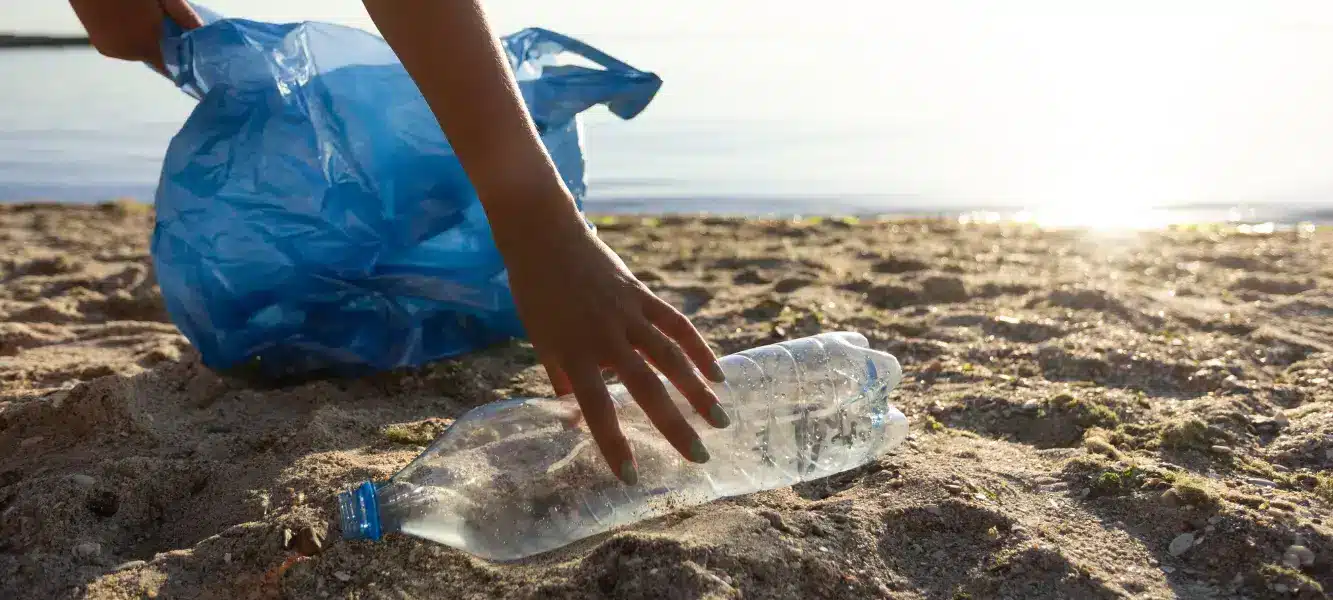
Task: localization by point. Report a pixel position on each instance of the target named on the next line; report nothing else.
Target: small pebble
(87, 549)
(1213, 520)
(308, 541)
(953, 489)
(83, 480)
(1171, 498)
(1260, 482)
(775, 520)
(934, 510)
(226, 558)
(1223, 450)
(1181, 544)
(1298, 556)
(341, 576)
(1280, 588)
(1168, 569)
(32, 441)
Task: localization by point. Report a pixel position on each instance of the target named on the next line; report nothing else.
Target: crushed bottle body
(520, 477)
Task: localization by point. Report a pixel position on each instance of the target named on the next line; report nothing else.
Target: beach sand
(1094, 415)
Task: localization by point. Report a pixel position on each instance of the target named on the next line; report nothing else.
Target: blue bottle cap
(360, 513)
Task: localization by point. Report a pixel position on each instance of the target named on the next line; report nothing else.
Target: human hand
(581, 306)
(132, 29)
(583, 310)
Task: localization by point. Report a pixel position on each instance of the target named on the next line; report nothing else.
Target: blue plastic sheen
(360, 513)
(311, 215)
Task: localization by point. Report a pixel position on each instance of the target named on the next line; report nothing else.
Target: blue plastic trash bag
(311, 217)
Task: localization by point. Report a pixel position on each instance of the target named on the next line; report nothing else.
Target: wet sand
(1095, 415)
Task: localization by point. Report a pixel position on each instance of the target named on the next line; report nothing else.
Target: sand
(1095, 415)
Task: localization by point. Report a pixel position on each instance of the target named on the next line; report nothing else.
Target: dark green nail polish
(715, 373)
(628, 473)
(698, 453)
(718, 416)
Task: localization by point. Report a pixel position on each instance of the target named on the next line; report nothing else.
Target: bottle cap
(360, 513)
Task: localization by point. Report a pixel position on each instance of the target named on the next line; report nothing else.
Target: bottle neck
(360, 513)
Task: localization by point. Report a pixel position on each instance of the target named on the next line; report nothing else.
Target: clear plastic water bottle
(519, 477)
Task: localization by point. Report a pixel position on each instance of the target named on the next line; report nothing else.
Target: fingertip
(629, 473)
(717, 416)
(699, 452)
(715, 372)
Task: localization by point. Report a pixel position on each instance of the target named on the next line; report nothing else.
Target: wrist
(523, 213)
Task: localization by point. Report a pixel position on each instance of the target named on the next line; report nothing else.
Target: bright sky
(701, 16)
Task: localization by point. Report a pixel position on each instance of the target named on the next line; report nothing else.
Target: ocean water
(1110, 117)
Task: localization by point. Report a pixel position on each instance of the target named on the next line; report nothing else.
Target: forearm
(458, 64)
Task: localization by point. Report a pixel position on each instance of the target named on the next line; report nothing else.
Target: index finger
(679, 328)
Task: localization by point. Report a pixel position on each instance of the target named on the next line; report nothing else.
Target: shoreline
(15, 42)
(1242, 219)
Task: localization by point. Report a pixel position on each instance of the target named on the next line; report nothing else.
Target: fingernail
(698, 453)
(715, 373)
(628, 473)
(718, 416)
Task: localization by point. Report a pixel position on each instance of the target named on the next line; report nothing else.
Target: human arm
(582, 307)
(132, 29)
